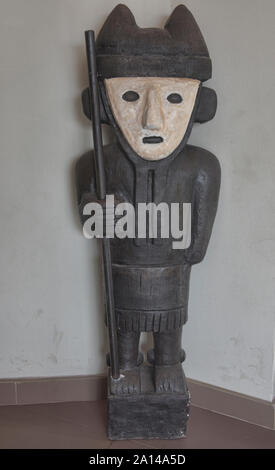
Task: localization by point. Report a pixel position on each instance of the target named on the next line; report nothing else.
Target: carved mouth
(154, 139)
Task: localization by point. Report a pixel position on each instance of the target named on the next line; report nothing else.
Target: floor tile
(83, 425)
(208, 430)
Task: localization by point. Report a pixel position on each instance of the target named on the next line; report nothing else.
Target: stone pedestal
(148, 415)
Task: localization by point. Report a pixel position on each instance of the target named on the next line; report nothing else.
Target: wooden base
(148, 415)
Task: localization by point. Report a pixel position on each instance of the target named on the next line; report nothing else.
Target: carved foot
(127, 384)
(169, 379)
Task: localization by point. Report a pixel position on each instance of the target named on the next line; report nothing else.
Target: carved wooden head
(152, 80)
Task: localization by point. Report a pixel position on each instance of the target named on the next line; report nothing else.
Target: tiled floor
(83, 425)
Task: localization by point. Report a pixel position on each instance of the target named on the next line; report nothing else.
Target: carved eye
(174, 98)
(130, 96)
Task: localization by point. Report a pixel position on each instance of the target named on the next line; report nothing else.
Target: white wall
(51, 310)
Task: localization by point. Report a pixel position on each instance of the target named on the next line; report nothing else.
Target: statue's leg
(128, 343)
(129, 360)
(169, 375)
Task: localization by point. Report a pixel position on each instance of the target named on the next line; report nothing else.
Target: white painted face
(152, 113)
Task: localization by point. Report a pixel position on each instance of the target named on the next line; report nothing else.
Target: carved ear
(183, 27)
(86, 106)
(120, 15)
(207, 105)
(117, 24)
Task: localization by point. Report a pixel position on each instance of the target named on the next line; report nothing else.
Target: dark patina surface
(150, 278)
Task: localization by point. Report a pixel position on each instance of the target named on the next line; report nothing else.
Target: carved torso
(193, 176)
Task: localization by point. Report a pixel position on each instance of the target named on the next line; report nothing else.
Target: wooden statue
(149, 88)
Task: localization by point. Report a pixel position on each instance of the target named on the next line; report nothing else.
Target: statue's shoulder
(86, 160)
(85, 169)
(84, 163)
(203, 160)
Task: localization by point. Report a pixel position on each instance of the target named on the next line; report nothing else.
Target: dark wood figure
(151, 93)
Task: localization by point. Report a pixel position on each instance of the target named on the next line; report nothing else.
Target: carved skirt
(151, 298)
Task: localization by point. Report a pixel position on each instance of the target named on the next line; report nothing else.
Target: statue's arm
(85, 182)
(205, 203)
(86, 185)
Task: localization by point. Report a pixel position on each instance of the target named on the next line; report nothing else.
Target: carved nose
(152, 118)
